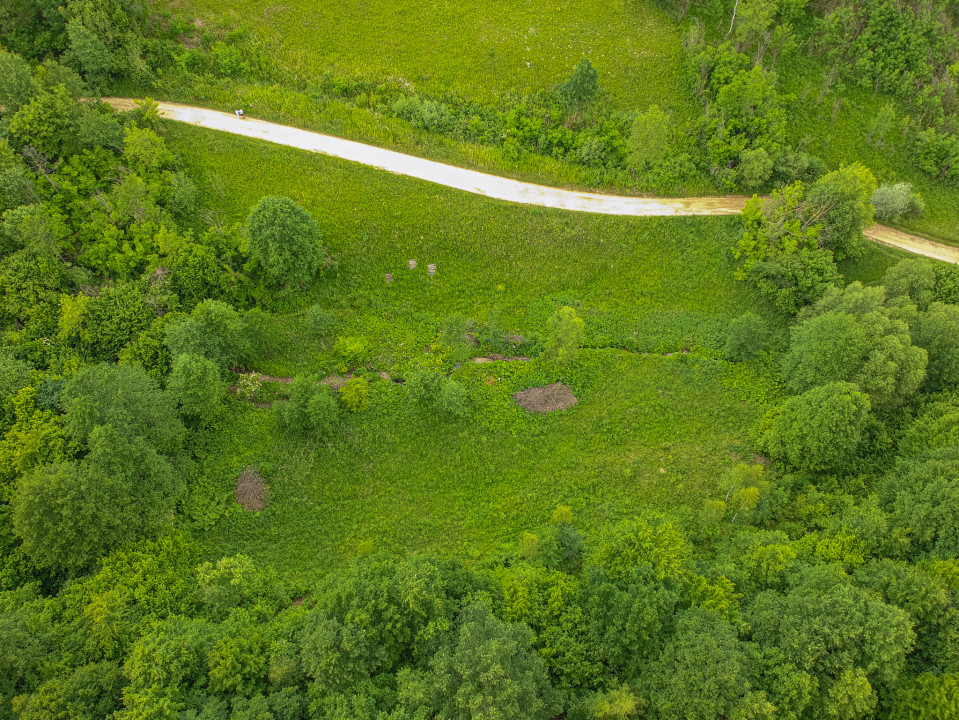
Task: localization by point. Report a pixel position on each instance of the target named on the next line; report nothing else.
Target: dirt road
(498, 187)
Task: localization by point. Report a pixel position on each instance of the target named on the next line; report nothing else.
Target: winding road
(496, 187)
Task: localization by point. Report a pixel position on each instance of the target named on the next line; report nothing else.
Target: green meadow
(652, 424)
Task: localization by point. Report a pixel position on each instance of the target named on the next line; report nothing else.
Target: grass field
(650, 433)
(473, 49)
(403, 481)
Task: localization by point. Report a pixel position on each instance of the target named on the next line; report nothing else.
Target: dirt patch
(546, 399)
(492, 357)
(271, 378)
(334, 381)
(251, 490)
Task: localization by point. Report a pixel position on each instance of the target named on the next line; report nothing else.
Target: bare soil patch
(251, 490)
(546, 399)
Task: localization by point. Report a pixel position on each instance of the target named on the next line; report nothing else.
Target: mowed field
(476, 50)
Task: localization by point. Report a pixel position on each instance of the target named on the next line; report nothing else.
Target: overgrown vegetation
(749, 512)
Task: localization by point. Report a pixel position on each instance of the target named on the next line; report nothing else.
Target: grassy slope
(474, 49)
(405, 482)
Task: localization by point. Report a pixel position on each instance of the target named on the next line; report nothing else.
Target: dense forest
(820, 582)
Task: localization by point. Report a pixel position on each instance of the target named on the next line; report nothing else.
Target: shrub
(350, 350)
(320, 321)
(894, 201)
(564, 333)
(452, 399)
(356, 394)
(311, 410)
(747, 337)
(582, 86)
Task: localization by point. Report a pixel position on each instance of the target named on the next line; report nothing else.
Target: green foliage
(215, 331)
(351, 351)
(841, 202)
(434, 391)
(703, 672)
(49, 123)
(284, 240)
(649, 139)
(564, 335)
(489, 665)
(70, 514)
(922, 282)
(819, 430)
(937, 153)
(196, 387)
(320, 321)
(18, 84)
(922, 498)
(748, 336)
(892, 202)
(356, 394)
(235, 582)
(855, 338)
(582, 86)
(311, 409)
(928, 697)
(107, 322)
(196, 275)
(125, 398)
(794, 280)
(849, 641)
(937, 332)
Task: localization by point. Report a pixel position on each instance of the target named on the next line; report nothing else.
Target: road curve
(493, 186)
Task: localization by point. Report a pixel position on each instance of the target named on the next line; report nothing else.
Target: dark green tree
(284, 240)
(126, 398)
(841, 202)
(70, 514)
(582, 86)
(819, 430)
(704, 673)
(852, 643)
(488, 672)
(937, 332)
(196, 387)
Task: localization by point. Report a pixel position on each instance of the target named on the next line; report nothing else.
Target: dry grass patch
(251, 490)
(546, 399)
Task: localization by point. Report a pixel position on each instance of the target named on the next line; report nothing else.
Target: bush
(350, 350)
(747, 337)
(320, 321)
(582, 86)
(311, 410)
(894, 201)
(564, 333)
(432, 390)
(356, 394)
